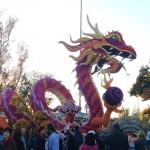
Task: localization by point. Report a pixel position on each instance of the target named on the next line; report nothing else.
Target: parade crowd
(48, 138)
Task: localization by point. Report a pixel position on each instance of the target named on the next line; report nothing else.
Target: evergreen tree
(141, 88)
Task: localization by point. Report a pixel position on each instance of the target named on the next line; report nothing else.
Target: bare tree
(10, 75)
(5, 32)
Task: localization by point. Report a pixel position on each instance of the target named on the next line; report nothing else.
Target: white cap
(92, 131)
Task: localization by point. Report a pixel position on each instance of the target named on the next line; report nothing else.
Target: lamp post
(80, 18)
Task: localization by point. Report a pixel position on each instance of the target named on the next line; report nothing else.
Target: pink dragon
(94, 50)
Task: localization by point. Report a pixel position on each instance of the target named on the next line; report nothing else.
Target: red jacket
(88, 147)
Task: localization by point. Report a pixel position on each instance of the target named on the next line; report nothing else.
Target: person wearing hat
(90, 142)
(117, 140)
(53, 139)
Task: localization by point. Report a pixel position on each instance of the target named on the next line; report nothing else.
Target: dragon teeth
(122, 59)
(112, 56)
(130, 56)
(111, 48)
(131, 60)
(98, 67)
(120, 53)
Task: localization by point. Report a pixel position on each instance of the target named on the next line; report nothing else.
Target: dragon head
(99, 50)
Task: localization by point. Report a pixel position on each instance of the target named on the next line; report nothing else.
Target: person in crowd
(32, 140)
(53, 140)
(100, 143)
(46, 139)
(90, 142)
(40, 139)
(147, 147)
(1, 134)
(17, 138)
(69, 142)
(24, 137)
(117, 140)
(140, 142)
(72, 130)
(1, 138)
(61, 137)
(78, 137)
(131, 142)
(8, 143)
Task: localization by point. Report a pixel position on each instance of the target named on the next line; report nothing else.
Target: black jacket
(140, 144)
(117, 141)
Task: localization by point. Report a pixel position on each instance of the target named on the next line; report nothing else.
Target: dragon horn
(95, 29)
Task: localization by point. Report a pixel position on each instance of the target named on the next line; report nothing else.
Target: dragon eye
(115, 37)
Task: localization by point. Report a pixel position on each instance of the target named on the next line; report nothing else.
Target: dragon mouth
(125, 52)
(116, 55)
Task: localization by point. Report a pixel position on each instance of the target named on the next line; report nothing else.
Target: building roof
(78, 115)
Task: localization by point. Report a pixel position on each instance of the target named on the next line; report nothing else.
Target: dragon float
(94, 50)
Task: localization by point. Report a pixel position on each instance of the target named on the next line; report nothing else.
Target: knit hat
(92, 131)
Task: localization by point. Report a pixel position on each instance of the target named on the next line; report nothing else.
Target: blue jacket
(53, 141)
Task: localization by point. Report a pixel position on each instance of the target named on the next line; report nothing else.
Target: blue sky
(42, 24)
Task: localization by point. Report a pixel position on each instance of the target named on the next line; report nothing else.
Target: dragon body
(94, 50)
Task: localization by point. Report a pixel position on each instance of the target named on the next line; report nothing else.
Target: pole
(80, 18)
(80, 95)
